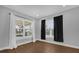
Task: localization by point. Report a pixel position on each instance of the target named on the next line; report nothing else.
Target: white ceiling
(39, 11)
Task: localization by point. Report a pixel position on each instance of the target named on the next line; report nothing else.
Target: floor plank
(41, 47)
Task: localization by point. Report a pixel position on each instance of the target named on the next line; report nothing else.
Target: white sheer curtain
(49, 29)
(12, 42)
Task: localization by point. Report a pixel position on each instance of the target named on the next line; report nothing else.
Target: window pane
(47, 31)
(28, 28)
(19, 28)
(49, 27)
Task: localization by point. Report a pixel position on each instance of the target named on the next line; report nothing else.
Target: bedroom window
(23, 28)
(49, 28)
(19, 28)
(28, 28)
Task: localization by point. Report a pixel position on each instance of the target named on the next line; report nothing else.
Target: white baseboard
(23, 43)
(16, 45)
(62, 44)
(4, 48)
(34, 41)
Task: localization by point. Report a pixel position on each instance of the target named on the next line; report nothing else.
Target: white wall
(37, 29)
(70, 26)
(4, 27)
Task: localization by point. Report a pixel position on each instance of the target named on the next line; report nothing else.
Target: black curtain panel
(58, 28)
(43, 33)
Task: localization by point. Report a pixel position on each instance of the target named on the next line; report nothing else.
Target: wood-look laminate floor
(41, 47)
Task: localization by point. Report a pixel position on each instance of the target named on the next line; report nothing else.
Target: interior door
(58, 28)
